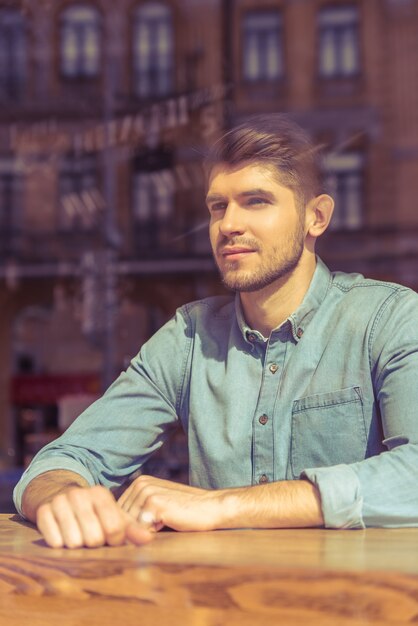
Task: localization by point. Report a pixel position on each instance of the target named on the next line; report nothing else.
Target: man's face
(256, 230)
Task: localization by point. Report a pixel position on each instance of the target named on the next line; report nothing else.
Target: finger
(138, 535)
(133, 507)
(125, 498)
(67, 522)
(149, 520)
(133, 501)
(132, 494)
(169, 484)
(110, 516)
(82, 505)
(48, 527)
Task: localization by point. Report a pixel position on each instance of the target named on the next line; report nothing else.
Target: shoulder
(347, 282)
(215, 307)
(196, 327)
(203, 316)
(369, 290)
(386, 309)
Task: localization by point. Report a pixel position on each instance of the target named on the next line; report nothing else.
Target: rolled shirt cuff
(340, 491)
(42, 466)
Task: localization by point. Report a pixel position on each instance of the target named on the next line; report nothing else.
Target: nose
(232, 221)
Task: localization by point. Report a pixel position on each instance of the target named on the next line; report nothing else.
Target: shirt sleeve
(116, 435)
(382, 491)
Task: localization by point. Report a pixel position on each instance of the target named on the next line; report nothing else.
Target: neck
(267, 308)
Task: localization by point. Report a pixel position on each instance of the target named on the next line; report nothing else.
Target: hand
(88, 516)
(171, 504)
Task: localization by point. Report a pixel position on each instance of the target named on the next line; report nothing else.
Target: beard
(277, 263)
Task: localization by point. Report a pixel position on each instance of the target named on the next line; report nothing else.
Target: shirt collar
(300, 319)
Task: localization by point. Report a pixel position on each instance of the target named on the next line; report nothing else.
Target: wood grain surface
(243, 577)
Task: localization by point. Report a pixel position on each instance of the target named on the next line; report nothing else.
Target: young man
(298, 395)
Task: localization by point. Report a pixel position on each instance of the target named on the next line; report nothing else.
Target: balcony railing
(151, 241)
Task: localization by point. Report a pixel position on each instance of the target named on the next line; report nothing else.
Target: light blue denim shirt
(331, 396)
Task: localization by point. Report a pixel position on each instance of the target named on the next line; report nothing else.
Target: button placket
(264, 418)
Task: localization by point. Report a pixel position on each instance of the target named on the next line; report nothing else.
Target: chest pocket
(327, 429)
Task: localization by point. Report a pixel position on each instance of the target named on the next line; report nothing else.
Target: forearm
(379, 491)
(283, 504)
(45, 486)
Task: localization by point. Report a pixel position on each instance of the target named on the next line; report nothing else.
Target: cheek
(278, 226)
(213, 233)
(267, 227)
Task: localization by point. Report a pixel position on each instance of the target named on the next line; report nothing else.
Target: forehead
(244, 175)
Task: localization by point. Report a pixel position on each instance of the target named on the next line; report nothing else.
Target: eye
(257, 200)
(217, 206)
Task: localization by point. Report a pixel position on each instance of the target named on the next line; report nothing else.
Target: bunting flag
(51, 137)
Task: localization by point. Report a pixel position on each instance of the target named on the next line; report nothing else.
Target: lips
(231, 251)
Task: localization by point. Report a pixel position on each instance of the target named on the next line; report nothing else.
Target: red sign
(27, 390)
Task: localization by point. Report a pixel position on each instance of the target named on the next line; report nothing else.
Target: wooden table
(223, 578)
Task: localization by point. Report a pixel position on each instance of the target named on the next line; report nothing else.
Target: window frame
(276, 31)
(81, 71)
(14, 79)
(153, 231)
(162, 66)
(337, 32)
(337, 165)
(81, 195)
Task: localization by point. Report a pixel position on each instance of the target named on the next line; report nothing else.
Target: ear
(318, 215)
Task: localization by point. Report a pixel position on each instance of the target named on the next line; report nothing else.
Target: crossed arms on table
(70, 513)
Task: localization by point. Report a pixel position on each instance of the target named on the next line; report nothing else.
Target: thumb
(137, 534)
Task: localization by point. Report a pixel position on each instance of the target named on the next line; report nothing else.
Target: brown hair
(276, 141)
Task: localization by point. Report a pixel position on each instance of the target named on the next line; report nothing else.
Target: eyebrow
(257, 192)
(214, 197)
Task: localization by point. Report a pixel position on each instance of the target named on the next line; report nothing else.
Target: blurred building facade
(105, 112)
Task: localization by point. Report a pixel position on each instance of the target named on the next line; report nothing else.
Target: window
(339, 55)
(80, 199)
(12, 53)
(262, 46)
(80, 42)
(153, 191)
(153, 50)
(343, 177)
(153, 195)
(11, 201)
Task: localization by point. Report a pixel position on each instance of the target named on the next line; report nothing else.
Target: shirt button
(263, 479)
(299, 333)
(263, 419)
(251, 337)
(273, 368)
